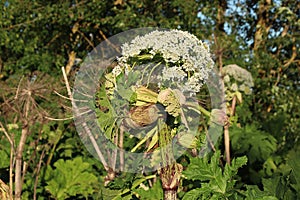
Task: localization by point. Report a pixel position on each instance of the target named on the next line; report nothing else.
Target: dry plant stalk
(5, 192)
(87, 130)
(22, 106)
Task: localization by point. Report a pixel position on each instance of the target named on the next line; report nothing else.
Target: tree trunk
(262, 26)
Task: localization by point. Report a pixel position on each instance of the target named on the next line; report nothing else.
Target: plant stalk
(18, 167)
(170, 172)
(170, 194)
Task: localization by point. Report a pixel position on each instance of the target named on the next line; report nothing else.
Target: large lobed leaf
(70, 178)
(215, 182)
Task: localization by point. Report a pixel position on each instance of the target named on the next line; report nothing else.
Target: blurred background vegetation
(42, 158)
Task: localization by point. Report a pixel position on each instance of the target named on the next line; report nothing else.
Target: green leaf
(70, 178)
(193, 194)
(154, 141)
(254, 193)
(294, 163)
(231, 170)
(215, 183)
(4, 161)
(258, 145)
(154, 193)
(200, 169)
(105, 113)
(187, 140)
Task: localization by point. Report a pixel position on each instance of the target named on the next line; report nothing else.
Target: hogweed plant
(237, 81)
(146, 104)
(170, 65)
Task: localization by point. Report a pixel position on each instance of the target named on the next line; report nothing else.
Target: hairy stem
(170, 194)
(171, 171)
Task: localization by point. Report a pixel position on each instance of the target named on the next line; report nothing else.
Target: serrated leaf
(215, 183)
(70, 178)
(294, 163)
(192, 194)
(258, 145)
(200, 169)
(153, 193)
(231, 170)
(254, 193)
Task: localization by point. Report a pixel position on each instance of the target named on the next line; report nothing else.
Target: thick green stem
(170, 172)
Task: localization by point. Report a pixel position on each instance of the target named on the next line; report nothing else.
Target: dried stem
(121, 147)
(59, 119)
(17, 92)
(37, 174)
(24, 170)
(170, 194)
(87, 130)
(226, 127)
(87, 39)
(62, 96)
(18, 167)
(209, 140)
(108, 41)
(226, 131)
(233, 105)
(6, 134)
(115, 152)
(227, 143)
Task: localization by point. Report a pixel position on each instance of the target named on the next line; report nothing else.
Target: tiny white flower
(173, 73)
(239, 74)
(242, 77)
(117, 70)
(234, 87)
(242, 87)
(176, 47)
(226, 79)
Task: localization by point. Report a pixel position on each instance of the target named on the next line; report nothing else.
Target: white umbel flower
(239, 74)
(185, 55)
(242, 79)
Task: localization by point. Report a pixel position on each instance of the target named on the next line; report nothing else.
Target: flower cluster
(187, 60)
(242, 79)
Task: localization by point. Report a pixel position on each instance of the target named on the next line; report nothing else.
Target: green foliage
(153, 193)
(257, 145)
(216, 183)
(294, 163)
(4, 153)
(130, 186)
(260, 37)
(105, 113)
(284, 183)
(253, 193)
(70, 178)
